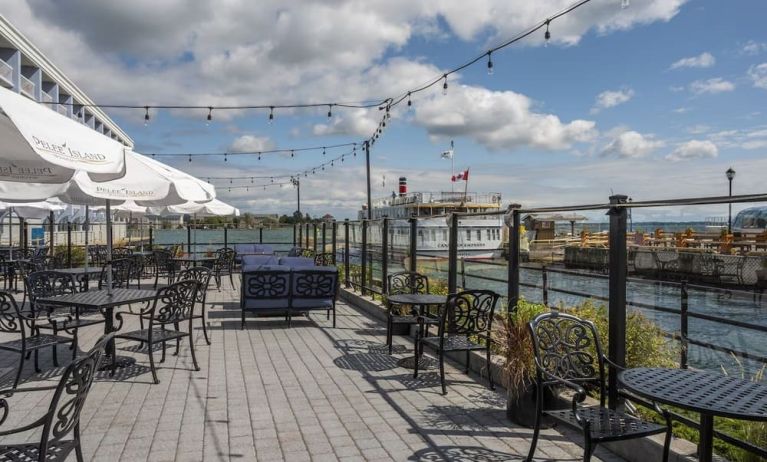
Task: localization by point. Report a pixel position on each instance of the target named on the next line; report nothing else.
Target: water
(208, 240)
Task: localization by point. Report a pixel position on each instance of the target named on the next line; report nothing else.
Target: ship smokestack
(402, 186)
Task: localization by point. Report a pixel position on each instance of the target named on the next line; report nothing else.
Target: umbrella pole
(10, 233)
(85, 228)
(109, 247)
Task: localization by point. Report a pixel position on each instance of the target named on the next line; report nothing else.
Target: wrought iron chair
(325, 259)
(171, 306)
(163, 266)
(122, 271)
(121, 252)
(405, 282)
(22, 269)
(465, 324)
(568, 354)
(61, 423)
(223, 265)
(202, 276)
(53, 317)
(14, 321)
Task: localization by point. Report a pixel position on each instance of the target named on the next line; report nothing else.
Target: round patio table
(703, 392)
(423, 301)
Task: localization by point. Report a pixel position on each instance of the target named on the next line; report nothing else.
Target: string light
(444, 85)
(330, 111)
(271, 114)
(323, 150)
(225, 157)
(409, 102)
(489, 63)
(292, 154)
(210, 114)
(146, 115)
(547, 35)
(190, 157)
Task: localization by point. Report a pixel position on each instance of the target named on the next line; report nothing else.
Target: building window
(479, 234)
(488, 234)
(468, 234)
(444, 234)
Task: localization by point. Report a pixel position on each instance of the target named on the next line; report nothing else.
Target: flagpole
(466, 185)
(452, 166)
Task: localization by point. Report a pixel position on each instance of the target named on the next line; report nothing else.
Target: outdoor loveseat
(292, 287)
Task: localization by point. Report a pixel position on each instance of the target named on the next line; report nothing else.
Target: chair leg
(78, 447)
(389, 339)
(334, 315)
(37, 361)
(191, 348)
(468, 361)
(442, 371)
(536, 431)
(54, 352)
(178, 340)
(231, 280)
(162, 358)
(416, 357)
(489, 370)
(204, 325)
(242, 321)
(18, 372)
(587, 446)
(151, 364)
(74, 344)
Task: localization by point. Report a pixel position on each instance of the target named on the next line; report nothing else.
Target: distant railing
(6, 72)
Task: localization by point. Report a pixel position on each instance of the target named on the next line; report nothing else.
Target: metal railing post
(452, 255)
(189, 240)
(346, 253)
(307, 236)
(294, 234)
(364, 256)
(226, 236)
(617, 294)
(413, 243)
(384, 254)
(151, 237)
(324, 238)
(314, 237)
(463, 274)
(51, 227)
(26, 235)
(683, 327)
(69, 244)
(261, 235)
(512, 289)
(545, 285)
(333, 240)
(300, 239)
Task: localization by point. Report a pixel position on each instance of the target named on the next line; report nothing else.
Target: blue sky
(655, 100)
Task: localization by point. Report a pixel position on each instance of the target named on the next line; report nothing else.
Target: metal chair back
(202, 276)
(174, 303)
(568, 347)
(48, 284)
(122, 271)
(325, 259)
(11, 321)
(468, 313)
(407, 282)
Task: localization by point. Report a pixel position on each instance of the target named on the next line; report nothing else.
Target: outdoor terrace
(269, 392)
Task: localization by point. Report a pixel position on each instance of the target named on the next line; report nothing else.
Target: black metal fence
(373, 249)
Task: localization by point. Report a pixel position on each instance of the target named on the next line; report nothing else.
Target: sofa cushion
(312, 303)
(297, 262)
(253, 262)
(266, 304)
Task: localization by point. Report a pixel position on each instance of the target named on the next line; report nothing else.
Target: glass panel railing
(27, 86)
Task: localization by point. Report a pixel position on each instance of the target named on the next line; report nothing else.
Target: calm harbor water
(735, 305)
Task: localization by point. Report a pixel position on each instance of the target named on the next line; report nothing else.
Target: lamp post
(730, 176)
(631, 220)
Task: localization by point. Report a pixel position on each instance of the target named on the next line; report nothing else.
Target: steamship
(478, 237)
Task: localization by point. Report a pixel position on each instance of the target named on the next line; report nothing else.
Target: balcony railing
(27, 86)
(6, 74)
(46, 98)
(61, 109)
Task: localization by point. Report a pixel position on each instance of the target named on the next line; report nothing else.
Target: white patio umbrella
(42, 149)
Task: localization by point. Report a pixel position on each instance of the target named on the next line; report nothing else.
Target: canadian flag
(464, 175)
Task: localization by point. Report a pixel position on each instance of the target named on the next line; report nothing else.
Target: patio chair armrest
(612, 364)
(6, 410)
(578, 397)
(12, 391)
(119, 317)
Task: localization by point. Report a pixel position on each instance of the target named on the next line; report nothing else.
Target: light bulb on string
(247, 189)
(444, 85)
(190, 157)
(547, 35)
(342, 158)
(331, 163)
(323, 150)
(489, 63)
(259, 156)
(210, 116)
(330, 111)
(272, 179)
(225, 157)
(354, 150)
(292, 154)
(230, 189)
(251, 180)
(146, 115)
(323, 167)
(271, 114)
(409, 102)
(230, 181)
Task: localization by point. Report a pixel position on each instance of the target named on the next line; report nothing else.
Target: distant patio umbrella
(40, 209)
(208, 209)
(42, 150)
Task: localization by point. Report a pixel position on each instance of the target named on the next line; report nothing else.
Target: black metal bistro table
(82, 275)
(703, 392)
(423, 302)
(186, 260)
(104, 302)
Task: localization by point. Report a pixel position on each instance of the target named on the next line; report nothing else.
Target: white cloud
(704, 59)
(498, 120)
(611, 98)
(753, 47)
(693, 149)
(251, 143)
(758, 75)
(711, 86)
(631, 144)
(681, 110)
